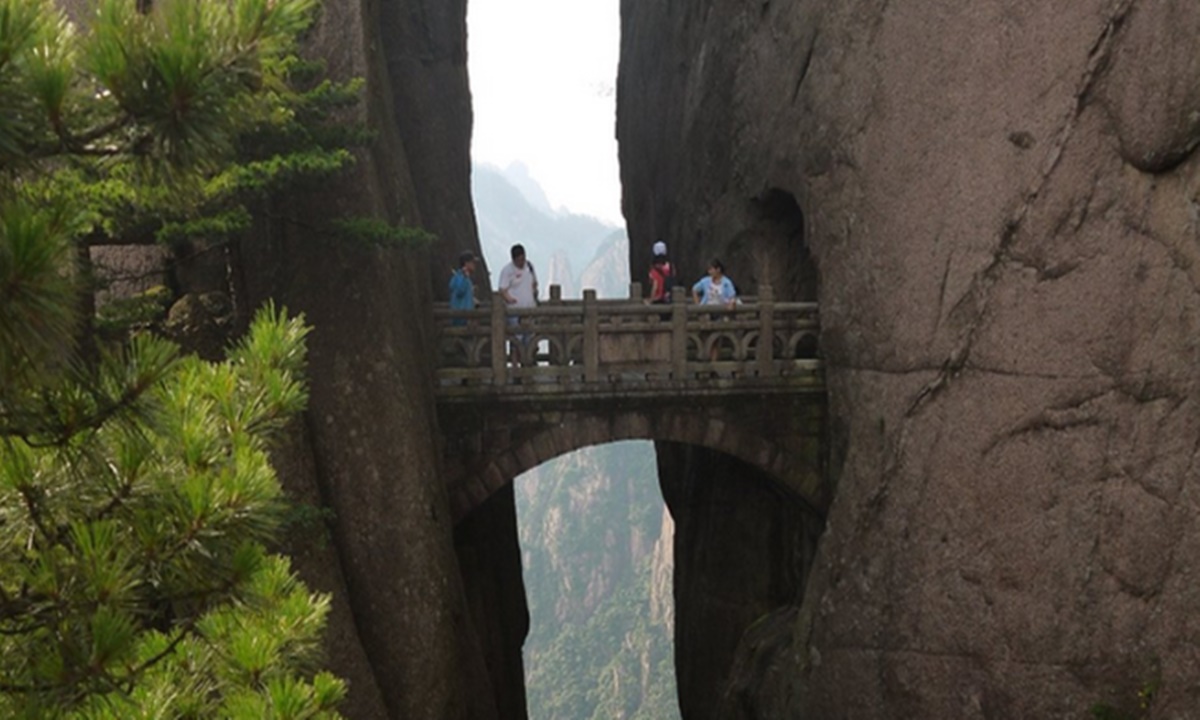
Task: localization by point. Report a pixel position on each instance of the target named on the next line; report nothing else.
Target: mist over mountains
(567, 249)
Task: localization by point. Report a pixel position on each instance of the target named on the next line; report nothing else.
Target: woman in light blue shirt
(715, 288)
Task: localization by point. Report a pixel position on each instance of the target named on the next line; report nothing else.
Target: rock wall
(743, 549)
(489, 555)
(373, 449)
(402, 630)
(1001, 200)
(422, 47)
(427, 620)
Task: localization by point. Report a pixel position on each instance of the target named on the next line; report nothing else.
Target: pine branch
(187, 630)
(79, 144)
(56, 434)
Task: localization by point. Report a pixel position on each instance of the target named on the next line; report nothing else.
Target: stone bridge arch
(599, 371)
(487, 447)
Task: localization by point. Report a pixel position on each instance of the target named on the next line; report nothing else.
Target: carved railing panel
(595, 342)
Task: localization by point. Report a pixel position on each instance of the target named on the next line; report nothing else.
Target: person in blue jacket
(715, 288)
(462, 290)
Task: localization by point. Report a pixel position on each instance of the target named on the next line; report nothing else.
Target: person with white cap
(661, 274)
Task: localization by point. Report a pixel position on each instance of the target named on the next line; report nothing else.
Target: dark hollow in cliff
(777, 232)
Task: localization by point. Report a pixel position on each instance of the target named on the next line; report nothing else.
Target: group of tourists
(518, 287)
(715, 288)
(518, 281)
(519, 284)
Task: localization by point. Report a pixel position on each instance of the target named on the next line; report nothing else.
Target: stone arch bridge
(514, 393)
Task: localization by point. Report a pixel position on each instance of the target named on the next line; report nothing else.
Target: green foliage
(1137, 708)
(136, 497)
(374, 231)
(35, 287)
(157, 86)
(137, 312)
(136, 507)
(170, 125)
(216, 225)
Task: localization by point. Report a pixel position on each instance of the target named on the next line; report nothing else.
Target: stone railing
(592, 342)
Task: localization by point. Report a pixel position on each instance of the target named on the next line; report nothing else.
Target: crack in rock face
(1001, 201)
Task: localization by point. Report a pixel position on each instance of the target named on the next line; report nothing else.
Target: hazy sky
(543, 74)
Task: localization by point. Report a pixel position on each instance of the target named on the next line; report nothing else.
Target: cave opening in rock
(774, 245)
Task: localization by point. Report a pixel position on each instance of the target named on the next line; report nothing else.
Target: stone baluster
(679, 333)
(499, 354)
(766, 331)
(558, 351)
(591, 337)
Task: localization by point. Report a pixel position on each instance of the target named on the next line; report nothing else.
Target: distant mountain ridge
(511, 207)
(517, 174)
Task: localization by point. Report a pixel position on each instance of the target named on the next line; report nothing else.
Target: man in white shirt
(518, 287)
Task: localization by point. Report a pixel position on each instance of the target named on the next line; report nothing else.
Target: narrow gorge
(997, 208)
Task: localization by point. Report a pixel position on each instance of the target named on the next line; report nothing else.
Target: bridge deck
(594, 350)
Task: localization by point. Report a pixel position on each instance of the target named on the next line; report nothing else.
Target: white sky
(543, 74)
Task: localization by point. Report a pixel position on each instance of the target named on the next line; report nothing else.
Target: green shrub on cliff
(136, 497)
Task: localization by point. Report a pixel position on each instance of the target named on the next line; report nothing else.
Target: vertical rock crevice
(489, 556)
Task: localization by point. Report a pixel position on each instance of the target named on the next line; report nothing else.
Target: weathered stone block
(631, 425)
(526, 456)
(544, 447)
(494, 479)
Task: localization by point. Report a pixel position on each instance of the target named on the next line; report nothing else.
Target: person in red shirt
(662, 275)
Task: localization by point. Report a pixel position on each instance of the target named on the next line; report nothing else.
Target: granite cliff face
(1001, 201)
(743, 551)
(403, 629)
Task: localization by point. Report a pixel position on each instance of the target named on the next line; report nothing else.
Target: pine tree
(136, 497)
